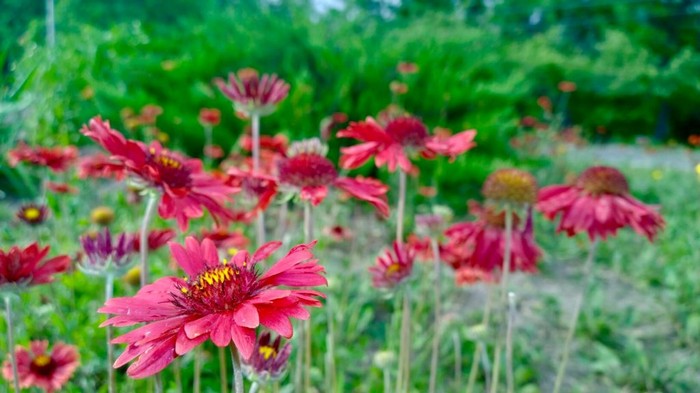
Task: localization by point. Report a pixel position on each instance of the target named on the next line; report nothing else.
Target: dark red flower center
(218, 289)
(408, 131)
(43, 365)
(170, 170)
(599, 180)
(510, 186)
(307, 169)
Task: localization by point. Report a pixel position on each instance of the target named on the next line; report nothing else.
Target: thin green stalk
(177, 371)
(237, 370)
(330, 354)
(109, 292)
(387, 379)
(260, 218)
(254, 388)
(151, 204)
(503, 300)
(588, 279)
(308, 237)
(477, 350)
(11, 342)
(158, 383)
(509, 341)
(457, 345)
(436, 323)
(404, 374)
(223, 370)
(208, 141)
(401, 206)
(197, 388)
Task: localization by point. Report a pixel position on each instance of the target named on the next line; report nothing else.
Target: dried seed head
(510, 186)
(600, 180)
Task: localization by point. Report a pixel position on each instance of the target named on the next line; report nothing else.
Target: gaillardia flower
(268, 360)
(61, 188)
(157, 238)
(104, 255)
(186, 189)
(209, 117)
(98, 165)
(510, 186)
(19, 267)
(258, 188)
(33, 214)
(307, 170)
(252, 94)
(599, 203)
(58, 159)
(224, 301)
(39, 368)
(480, 244)
(393, 144)
(102, 215)
(393, 268)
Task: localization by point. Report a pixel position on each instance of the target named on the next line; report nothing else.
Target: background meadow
(489, 66)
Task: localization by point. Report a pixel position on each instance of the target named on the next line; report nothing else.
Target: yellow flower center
(168, 162)
(41, 361)
(393, 269)
(32, 213)
(267, 352)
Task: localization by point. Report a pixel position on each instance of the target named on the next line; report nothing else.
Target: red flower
(407, 68)
(58, 159)
(33, 214)
(269, 359)
(481, 244)
(61, 188)
(258, 187)
(566, 86)
(392, 145)
(308, 171)
(209, 116)
(99, 165)
(393, 268)
(545, 103)
(28, 267)
(338, 233)
(225, 301)
(466, 275)
(38, 368)
(599, 203)
(276, 143)
(252, 94)
(225, 240)
(213, 151)
(185, 187)
(157, 238)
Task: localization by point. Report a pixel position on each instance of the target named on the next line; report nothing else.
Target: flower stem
(503, 299)
(458, 359)
(308, 237)
(237, 371)
(260, 218)
(330, 354)
(401, 206)
(404, 374)
(177, 371)
(387, 379)
(207, 144)
(197, 388)
(158, 384)
(477, 350)
(147, 218)
(588, 278)
(254, 388)
(109, 291)
(223, 370)
(436, 322)
(11, 342)
(509, 341)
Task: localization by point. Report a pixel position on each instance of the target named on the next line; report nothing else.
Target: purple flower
(268, 361)
(102, 254)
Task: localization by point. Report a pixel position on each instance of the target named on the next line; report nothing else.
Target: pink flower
(61, 188)
(258, 187)
(186, 189)
(157, 238)
(599, 203)
(47, 371)
(480, 244)
(393, 268)
(209, 117)
(252, 94)
(224, 301)
(392, 145)
(99, 165)
(58, 159)
(226, 240)
(269, 359)
(310, 173)
(27, 266)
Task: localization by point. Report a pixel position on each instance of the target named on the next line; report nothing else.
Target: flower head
(259, 188)
(37, 367)
(104, 254)
(394, 267)
(102, 215)
(407, 68)
(157, 238)
(98, 165)
(566, 86)
(209, 117)
(307, 170)
(599, 203)
(58, 159)
(467, 275)
(269, 358)
(393, 143)
(221, 300)
(19, 267)
(511, 186)
(185, 188)
(480, 244)
(251, 93)
(61, 188)
(226, 240)
(33, 214)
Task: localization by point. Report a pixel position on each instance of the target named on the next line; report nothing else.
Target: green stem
(477, 350)
(458, 359)
(223, 370)
(147, 218)
(308, 237)
(401, 206)
(197, 388)
(404, 374)
(260, 218)
(109, 292)
(588, 279)
(509, 342)
(11, 343)
(436, 321)
(208, 140)
(387, 379)
(254, 388)
(237, 371)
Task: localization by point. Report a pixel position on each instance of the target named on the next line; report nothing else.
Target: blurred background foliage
(482, 65)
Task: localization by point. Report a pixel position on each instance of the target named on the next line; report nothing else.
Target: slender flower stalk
(509, 341)
(109, 292)
(477, 350)
(401, 206)
(308, 235)
(260, 219)
(208, 142)
(197, 383)
(404, 374)
(177, 370)
(11, 343)
(151, 204)
(254, 387)
(458, 359)
(237, 370)
(223, 370)
(504, 292)
(436, 324)
(588, 278)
